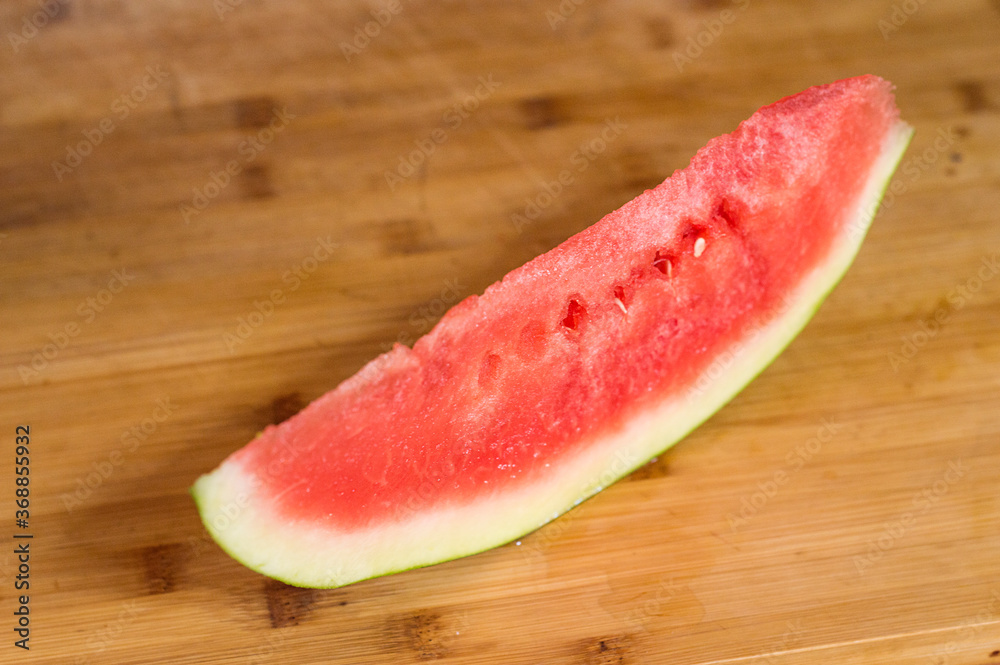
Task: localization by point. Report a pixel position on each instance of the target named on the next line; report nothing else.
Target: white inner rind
(245, 525)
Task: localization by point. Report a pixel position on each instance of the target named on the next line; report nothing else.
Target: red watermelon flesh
(575, 368)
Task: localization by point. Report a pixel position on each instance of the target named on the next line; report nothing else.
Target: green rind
(784, 329)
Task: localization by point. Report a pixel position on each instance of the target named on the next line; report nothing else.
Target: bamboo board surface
(159, 310)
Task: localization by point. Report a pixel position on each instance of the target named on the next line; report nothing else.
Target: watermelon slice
(575, 368)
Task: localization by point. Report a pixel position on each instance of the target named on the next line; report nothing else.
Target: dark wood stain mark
(61, 11)
(404, 236)
(660, 32)
(20, 214)
(216, 117)
(962, 131)
(657, 468)
(285, 406)
(972, 96)
(941, 306)
(256, 182)
(254, 112)
(286, 605)
(176, 111)
(423, 633)
(709, 4)
(161, 563)
(995, 653)
(540, 112)
(608, 651)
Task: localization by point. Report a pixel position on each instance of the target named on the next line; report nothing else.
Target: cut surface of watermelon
(575, 368)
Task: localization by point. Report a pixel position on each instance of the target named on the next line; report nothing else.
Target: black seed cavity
(663, 262)
(574, 314)
(489, 369)
(726, 211)
(691, 231)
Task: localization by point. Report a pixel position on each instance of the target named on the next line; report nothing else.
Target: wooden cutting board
(198, 236)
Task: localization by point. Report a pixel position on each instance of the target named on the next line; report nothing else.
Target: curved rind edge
(303, 556)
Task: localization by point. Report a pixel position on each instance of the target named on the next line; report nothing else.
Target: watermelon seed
(662, 263)
(699, 247)
(620, 299)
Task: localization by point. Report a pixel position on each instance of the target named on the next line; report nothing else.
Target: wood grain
(125, 314)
